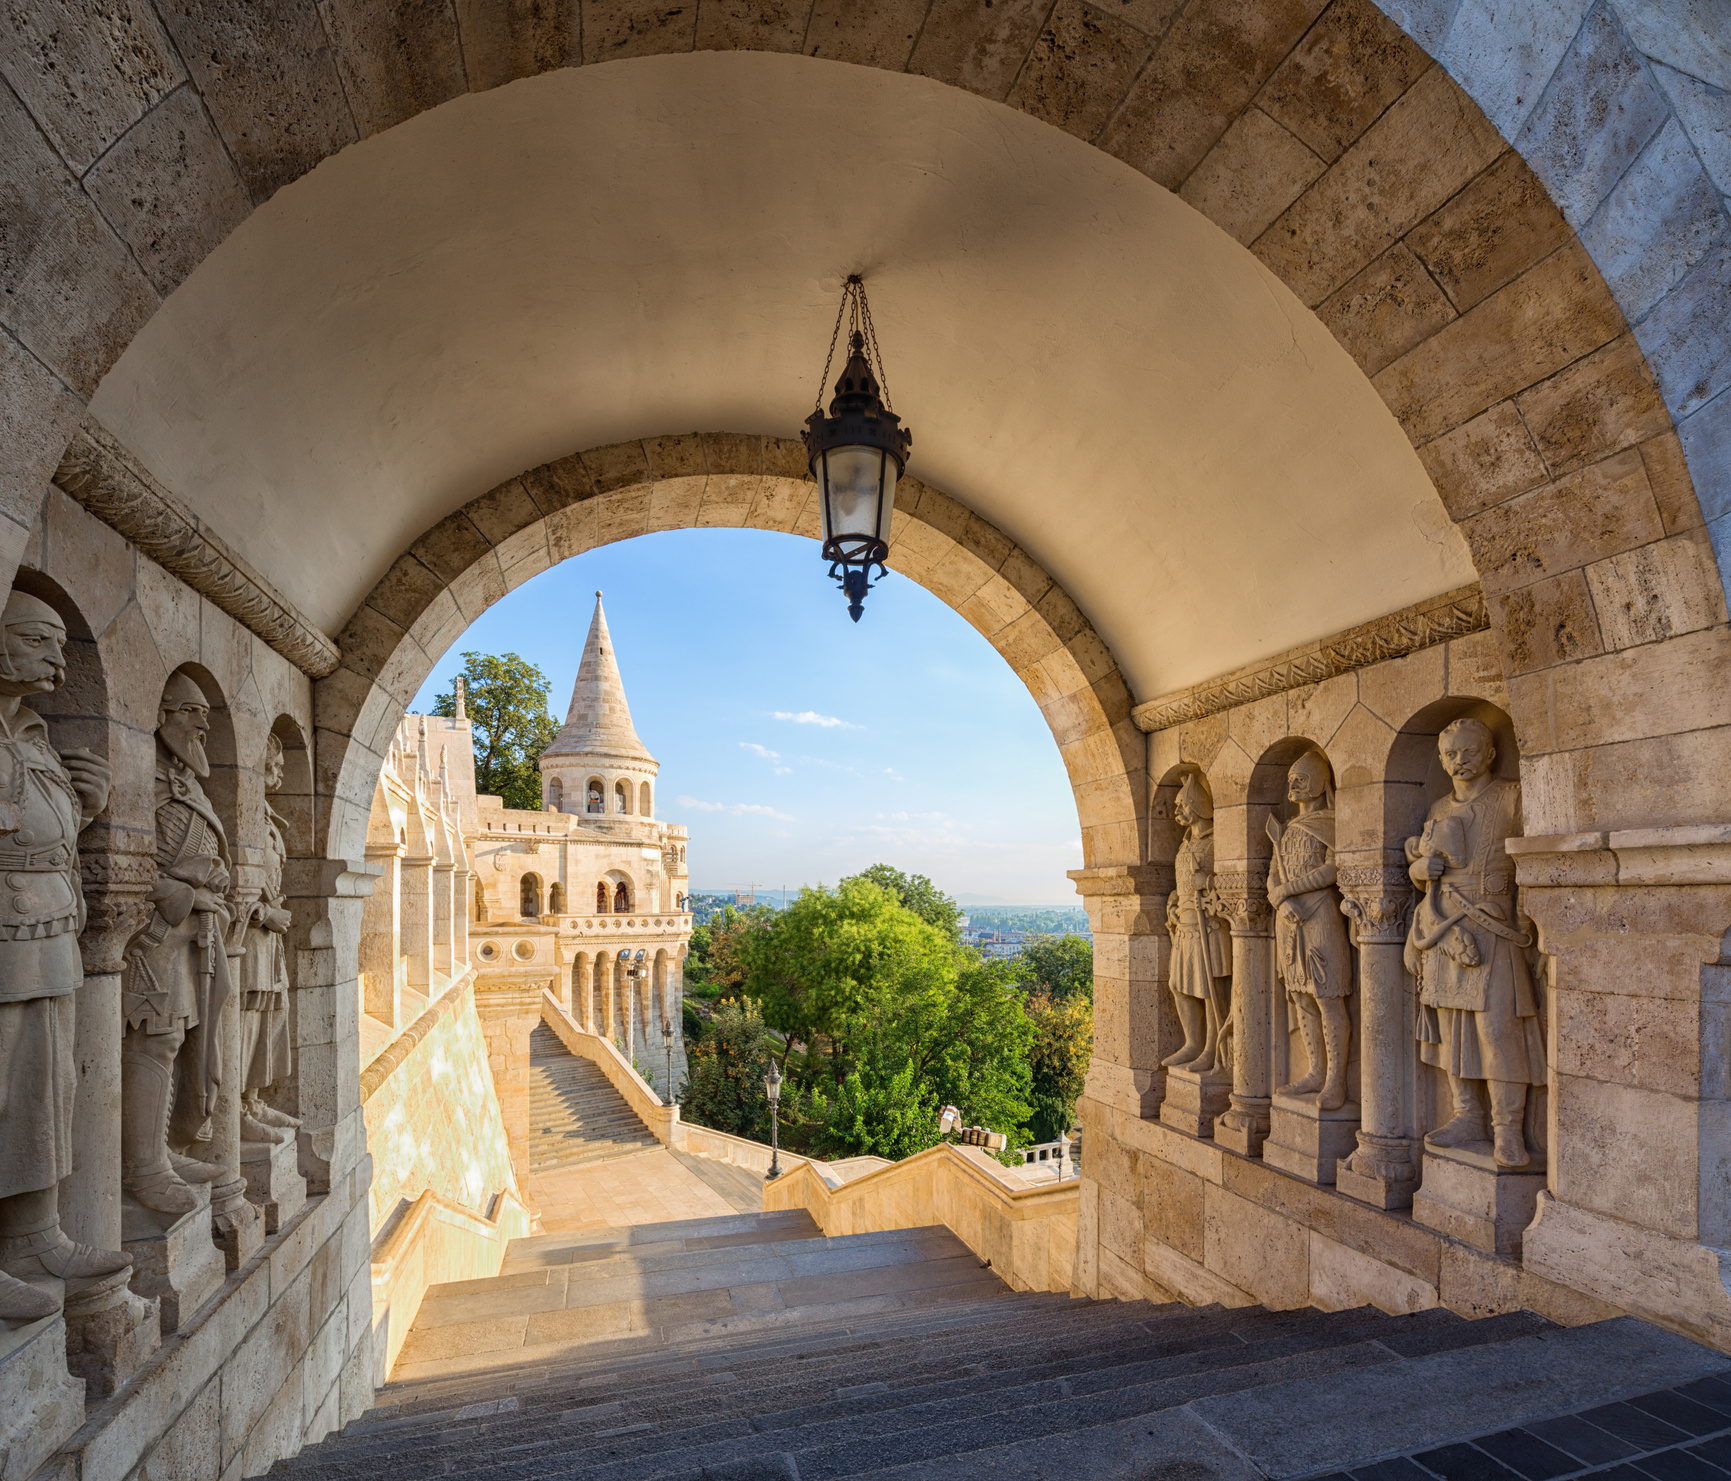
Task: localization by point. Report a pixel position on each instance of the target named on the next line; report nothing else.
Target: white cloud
(737, 809)
(811, 717)
(768, 755)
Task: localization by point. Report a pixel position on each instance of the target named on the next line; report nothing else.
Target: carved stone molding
(115, 908)
(97, 472)
(1378, 900)
(1455, 614)
(1240, 897)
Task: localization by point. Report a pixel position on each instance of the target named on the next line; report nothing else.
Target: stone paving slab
(1323, 1426)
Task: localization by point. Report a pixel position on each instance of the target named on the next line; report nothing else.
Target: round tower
(596, 766)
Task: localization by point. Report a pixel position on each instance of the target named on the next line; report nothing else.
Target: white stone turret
(596, 766)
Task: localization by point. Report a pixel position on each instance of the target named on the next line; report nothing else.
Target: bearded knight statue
(1478, 1016)
(265, 1052)
(45, 802)
(175, 981)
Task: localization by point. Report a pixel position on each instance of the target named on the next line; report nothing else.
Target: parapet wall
(432, 1115)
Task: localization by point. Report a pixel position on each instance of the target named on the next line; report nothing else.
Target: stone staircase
(752, 1348)
(575, 1114)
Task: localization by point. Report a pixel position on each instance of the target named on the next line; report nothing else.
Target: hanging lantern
(856, 454)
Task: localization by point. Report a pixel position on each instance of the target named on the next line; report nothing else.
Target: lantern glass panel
(851, 509)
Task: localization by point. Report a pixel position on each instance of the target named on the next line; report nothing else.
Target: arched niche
(294, 801)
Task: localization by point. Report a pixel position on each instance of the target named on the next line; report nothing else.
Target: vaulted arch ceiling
(590, 255)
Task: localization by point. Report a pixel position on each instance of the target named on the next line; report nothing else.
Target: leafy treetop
(507, 701)
(916, 893)
(1062, 966)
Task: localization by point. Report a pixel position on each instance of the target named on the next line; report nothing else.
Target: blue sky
(797, 747)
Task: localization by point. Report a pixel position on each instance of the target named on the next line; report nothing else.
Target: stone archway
(472, 558)
(1488, 291)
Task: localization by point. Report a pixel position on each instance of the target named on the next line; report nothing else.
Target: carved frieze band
(1452, 615)
(100, 474)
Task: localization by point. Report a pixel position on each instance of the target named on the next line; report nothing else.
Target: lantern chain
(860, 322)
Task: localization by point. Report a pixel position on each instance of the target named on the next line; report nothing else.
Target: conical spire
(599, 721)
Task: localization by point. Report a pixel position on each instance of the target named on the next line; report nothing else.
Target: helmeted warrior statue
(1310, 946)
(45, 802)
(265, 1052)
(1201, 972)
(1467, 946)
(176, 982)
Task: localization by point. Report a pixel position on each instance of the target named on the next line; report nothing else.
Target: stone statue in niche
(265, 1052)
(1478, 1014)
(1310, 946)
(175, 981)
(1201, 970)
(46, 799)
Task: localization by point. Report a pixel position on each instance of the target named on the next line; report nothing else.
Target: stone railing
(1025, 1232)
(661, 1118)
(435, 1241)
(608, 924)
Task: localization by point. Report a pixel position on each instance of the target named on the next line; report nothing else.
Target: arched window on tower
(531, 897)
(621, 897)
(556, 794)
(601, 898)
(555, 898)
(645, 803)
(621, 797)
(597, 798)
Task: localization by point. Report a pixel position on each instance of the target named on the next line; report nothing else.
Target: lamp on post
(772, 1088)
(856, 454)
(667, 1041)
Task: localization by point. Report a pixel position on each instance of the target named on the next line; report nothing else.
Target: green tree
(836, 960)
(912, 1019)
(507, 701)
(716, 963)
(723, 1088)
(1063, 1041)
(918, 894)
(879, 1113)
(1062, 966)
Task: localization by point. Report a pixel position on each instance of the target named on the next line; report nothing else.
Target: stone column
(328, 899)
(110, 1334)
(628, 987)
(1243, 895)
(417, 921)
(1637, 1208)
(462, 913)
(237, 1225)
(607, 975)
(381, 939)
(1377, 898)
(1134, 1022)
(444, 902)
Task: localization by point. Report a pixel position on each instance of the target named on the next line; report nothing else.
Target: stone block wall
(277, 1351)
(1622, 1207)
(432, 1115)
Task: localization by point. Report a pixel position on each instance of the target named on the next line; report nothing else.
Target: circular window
(523, 950)
(488, 951)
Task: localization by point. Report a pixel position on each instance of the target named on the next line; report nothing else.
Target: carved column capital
(1378, 900)
(1240, 897)
(116, 886)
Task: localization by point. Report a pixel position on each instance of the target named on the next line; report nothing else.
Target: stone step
(690, 1415)
(942, 1350)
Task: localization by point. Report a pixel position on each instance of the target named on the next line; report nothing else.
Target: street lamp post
(772, 1088)
(667, 1040)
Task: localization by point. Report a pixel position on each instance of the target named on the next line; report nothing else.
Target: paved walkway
(652, 1187)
